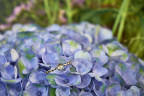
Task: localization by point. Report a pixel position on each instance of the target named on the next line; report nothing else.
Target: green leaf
(89, 14)
(20, 68)
(25, 34)
(52, 91)
(51, 78)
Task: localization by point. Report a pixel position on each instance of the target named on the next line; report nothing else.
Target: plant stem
(118, 18)
(68, 11)
(47, 10)
(124, 14)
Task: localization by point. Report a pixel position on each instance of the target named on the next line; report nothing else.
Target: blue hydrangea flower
(85, 81)
(82, 54)
(38, 77)
(85, 94)
(54, 48)
(63, 91)
(128, 75)
(50, 59)
(3, 90)
(133, 91)
(2, 60)
(104, 34)
(113, 90)
(35, 90)
(14, 89)
(99, 87)
(100, 54)
(100, 64)
(69, 47)
(83, 66)
(74, 92)
(38, 48)
(12, 55)
(99, 70)
(30, 62)
(68, 79)
(9, 73)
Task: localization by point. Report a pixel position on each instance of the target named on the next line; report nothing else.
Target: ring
(59, 67)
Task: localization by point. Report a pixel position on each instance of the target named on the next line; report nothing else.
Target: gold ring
(59, 67)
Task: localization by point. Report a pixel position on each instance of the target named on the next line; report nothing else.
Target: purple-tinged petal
(104, 34)
(113, 90)
(100, 54)
(12, 55)
(35, 90)
(70, 46)
(7, 71)
(85, 81)
(83, 66)
(99, 70)
(85, 94)
(54, 48)
(68, 79)
(63, 91)
(38, 77)
(82, 54)
(3, 90)
(14, 89)
(2, 60)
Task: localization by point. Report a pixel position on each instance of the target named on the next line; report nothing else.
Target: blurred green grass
(124, 17)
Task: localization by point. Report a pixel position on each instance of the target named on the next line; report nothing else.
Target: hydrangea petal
(14, 89)
(3, 90)
(82, 66)
(70, 46)
(82, 54)
(100, 54)
(12, 55)
(63, 91)
(85, 81)
(38, 77)
(35, 90)
(68, 79)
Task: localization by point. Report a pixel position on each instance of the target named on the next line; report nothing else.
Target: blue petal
(82, 66)
(85, 94)
(54, 48)
(113, 90)
(50, 59)
(14, 89)
(12, 55)
(2, 60)
(70, 46)
(100, 54)
(99, 70)
(85, 81)
(38, 77)
(63, 91)
(3, 90)
(128, 75)
(7, 72)
(35, 90)
(68, 79)
(82, 54)
(104, 34)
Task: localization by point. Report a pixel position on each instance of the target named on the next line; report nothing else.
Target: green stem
(118, 17)
(124, 14)
(47, 10)
(68, 11)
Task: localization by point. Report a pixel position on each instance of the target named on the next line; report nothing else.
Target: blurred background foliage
(124, 17)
